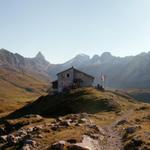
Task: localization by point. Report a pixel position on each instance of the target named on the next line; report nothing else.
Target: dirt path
(109, 140)
(112, 139)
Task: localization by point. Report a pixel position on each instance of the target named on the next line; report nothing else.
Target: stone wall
(87, 80)
(65, 79)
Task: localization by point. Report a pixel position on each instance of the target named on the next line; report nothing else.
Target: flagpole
(101, 79)
(104, 83)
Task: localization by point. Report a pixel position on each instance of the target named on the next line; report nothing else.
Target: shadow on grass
(60, 105)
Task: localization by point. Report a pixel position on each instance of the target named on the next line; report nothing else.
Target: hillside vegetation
(87, 100)
(85, 119)
(17, 88)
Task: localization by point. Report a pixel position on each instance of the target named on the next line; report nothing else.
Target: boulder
(83, 120)
(55, 127)
(3, 138)
(136, 143)
(65, 123)
(26, 147)
(72, 141)
(22, 133)
(30, 142)
(40, 136)
(11, 139)
(83, 115)
(133, 129)
(93, 126)
(130, 130)
(121, 122)
(33, 116)
(59, 119)
(29, 129)
(101, 130)
(2, 131)
(58, 146)
(94, 136)
(38, 128)
(77, 147)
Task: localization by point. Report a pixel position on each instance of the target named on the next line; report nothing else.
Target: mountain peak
(40, 56)
(106, 54)
(2, 50)
(96, 57)
(82, 55)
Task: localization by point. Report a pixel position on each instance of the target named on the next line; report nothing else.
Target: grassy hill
(87, 100)
(17, 88)
(107, 118)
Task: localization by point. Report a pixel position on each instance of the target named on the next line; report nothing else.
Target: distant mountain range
(121, 72)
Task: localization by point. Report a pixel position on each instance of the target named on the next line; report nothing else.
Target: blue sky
(60, 29)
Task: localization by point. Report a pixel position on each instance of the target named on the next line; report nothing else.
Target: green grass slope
(17, 88)
(87, 100)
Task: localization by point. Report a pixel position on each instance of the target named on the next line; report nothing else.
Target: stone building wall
(65, 79)
(87, 80)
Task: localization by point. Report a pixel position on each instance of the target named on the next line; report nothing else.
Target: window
(68, 75)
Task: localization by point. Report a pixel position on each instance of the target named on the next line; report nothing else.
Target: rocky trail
(113, 140)
(95, 138)
(108, 136)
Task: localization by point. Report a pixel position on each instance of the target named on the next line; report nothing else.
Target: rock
(101, 130)
(84, 115)
(22, 133)
(101, 137)
(38, 128)
(25, 147)
(29, 129)
(121, 122)
(77, 147)
(145, 148)
(137, 120)
(2, 130)
(83, 120)
(12, 125)
(72, 141)
(78, 124)
(30, 142)
(130, 130)
(133, 143)
(39, 136)
(59, 119)
(65, 123)
(55, 127)
(93, 126)
(94, 136)
(11, 139)
(58, 146)
(3, 138)
(38, 117)
(33, 116)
